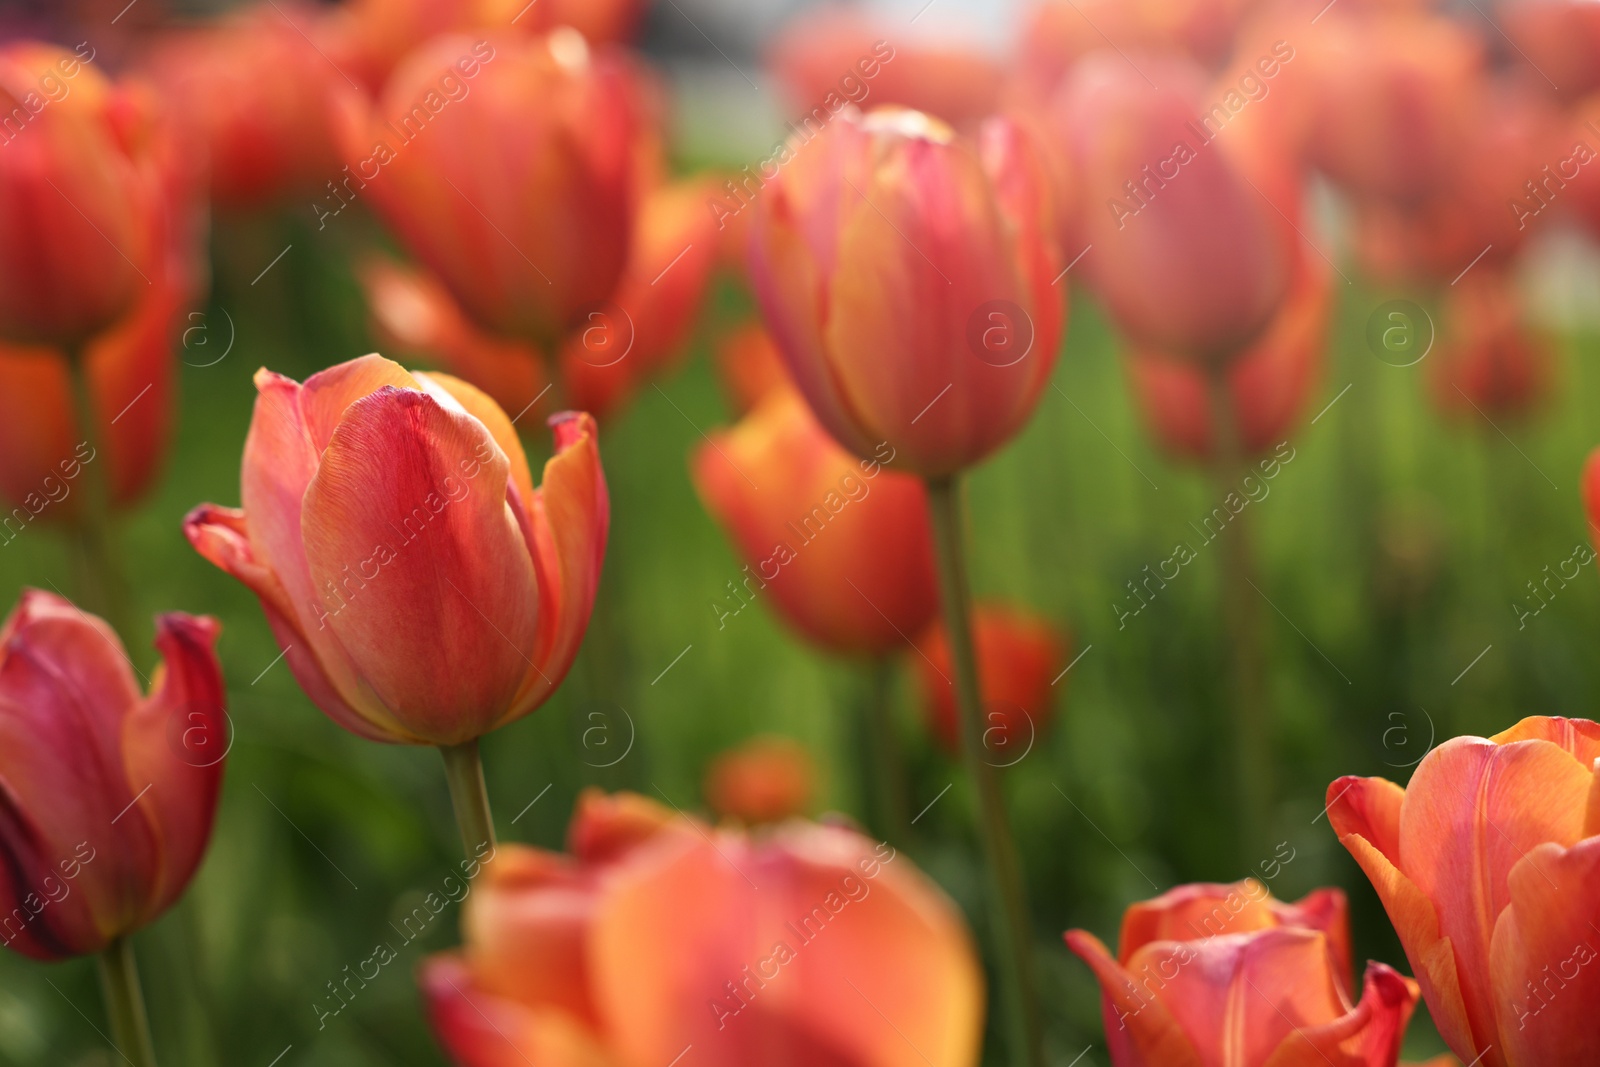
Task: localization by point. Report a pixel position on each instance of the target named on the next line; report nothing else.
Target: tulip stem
(463, 768)
(103, 586)
(1008, 909)
(119, 982)
(883, 765)
(1241, 605)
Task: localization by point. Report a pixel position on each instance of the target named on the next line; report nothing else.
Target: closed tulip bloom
(1019, 656)
(808, 945)
(1488, 863)
(1188, 252)
(534, 234)
(840, 546)
(906, 277)
(764, 780)
(423, 590)
(80, 197)
(110, 794)
(1216, 974)
(1489, 361)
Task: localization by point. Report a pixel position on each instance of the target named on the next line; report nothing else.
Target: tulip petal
(408, 517)
(328, 394)
(482, 1030)
(1140, 1031)
(458, 395)
(1544, 959)
(1370, 1035)
(606, 826)
(1579, 737)
(174, 744)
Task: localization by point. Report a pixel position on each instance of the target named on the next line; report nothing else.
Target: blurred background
(1403, 557)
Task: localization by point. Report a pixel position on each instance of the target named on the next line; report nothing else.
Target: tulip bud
(1282, 970)
(693, 936)
(1020, 656)
(1489, 363)
(839, 546)
(110, 795)
(1506, 956)
(423, 590)
(79, 199)
(1187, 247)
(906, 276)
(764, 780)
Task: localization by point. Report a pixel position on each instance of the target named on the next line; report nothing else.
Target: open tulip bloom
(423, 590)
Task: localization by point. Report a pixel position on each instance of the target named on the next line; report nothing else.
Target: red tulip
(1216, 974)
(1489, 362)
(1187, 247)
(906, 277)
(367, 39)
(805, 946)
(81, 197)
(1561, 38)
(508, 167)
(750, 367)
(254, 93)
(1019, 657)
(1488, 864)
(601, 21)
(1268, 385)
(839, 545)
(110, 795)
(422, 589)
(764, 780)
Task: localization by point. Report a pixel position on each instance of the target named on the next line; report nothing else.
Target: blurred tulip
(1185, 247)
(834, 55)
(1581, 192)
(750, 367)
(529, 244)
(110, 795)
(1591, 494)
(600, 21)
(1489, 362)
(840, 544)
(613, 953)
(1488, 864)
(422, 589)
(80, 198)
(1268, 385)
(367, 39)
(1211, 974)
(764, 780)
(1019, 656)
(254, 94)
(1560, 39)
(906, 276)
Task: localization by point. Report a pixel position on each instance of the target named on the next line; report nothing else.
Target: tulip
(807, 945)
(1561, 39)
(1020, 656)
(749, 366)
(600, 21)
(1489, 363)
(764, 780)
(110, 795)
(367, 39)
(422, 589)
(1213, 974)
(1591, 494)
(254, 93)
(1487, 863)
(534, 238)
(906, 278)
(1185, 246)
(80, 198)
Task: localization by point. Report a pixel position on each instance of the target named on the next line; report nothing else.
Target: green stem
(102, 585)
(463, 769)
(882, 760)
(119, 982)
(1242, 618)
(1008, 909)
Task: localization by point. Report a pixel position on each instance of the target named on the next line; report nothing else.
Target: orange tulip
(1185, 247)
(1488, 864)
(1268, 385)
(422, 589)
(840, 545)
(1019, 656)
(906, 277)
(764, 780)
(81, 197)
(809, 945)
(110, 795)
(749, 365)
(600, 21)
(534, 236)
(1489, 362)
(1212, 974)
(254, 93)
(367, 39)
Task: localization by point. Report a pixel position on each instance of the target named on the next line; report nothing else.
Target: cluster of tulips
(909, 259)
